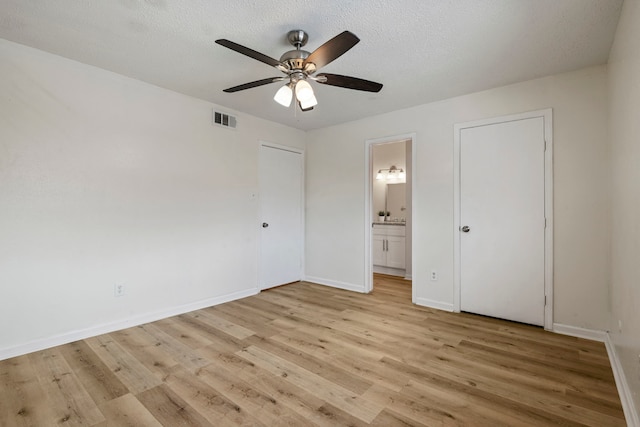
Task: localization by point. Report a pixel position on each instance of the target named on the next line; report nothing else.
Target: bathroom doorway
(389, 208)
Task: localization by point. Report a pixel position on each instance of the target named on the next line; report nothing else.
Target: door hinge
(545, 223)
(545, 300)
(545, 145)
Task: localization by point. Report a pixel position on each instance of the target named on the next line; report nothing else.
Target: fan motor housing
(294, 58)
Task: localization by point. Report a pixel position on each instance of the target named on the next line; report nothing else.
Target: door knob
(465, 229)
(265, 225)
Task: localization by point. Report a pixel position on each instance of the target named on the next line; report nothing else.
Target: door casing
(547, 117)
(368, 230)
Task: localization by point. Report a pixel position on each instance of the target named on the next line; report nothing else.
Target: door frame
(262, 143)
(368, 190)
(547, 116)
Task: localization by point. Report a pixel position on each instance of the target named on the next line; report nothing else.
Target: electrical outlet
(434, 275)
(118, 290)
(620, 326)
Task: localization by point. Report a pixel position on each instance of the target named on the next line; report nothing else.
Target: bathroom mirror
(397, 201)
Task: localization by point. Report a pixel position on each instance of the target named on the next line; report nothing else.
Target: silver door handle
(465, 229)
(265, 225)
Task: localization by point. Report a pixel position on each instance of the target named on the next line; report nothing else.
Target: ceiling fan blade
(348, 82)
(251, 53)
(254, 84)
(332, 49)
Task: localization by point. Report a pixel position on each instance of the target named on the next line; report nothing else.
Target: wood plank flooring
(304, 355)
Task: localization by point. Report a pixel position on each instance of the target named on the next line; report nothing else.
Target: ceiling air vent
(225, 120)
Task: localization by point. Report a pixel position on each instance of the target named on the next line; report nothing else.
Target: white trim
(399, 272)
(281, 147)
(301, 151)
(368, 227)
(456, 217)
(547, 116)
(337, 284)
(626, 397)
(548, 214)
(105, 328)
(414, 216)
(368, 162)
(574, 331)
(440, 305)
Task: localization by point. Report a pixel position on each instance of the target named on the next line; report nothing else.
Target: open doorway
(389, 190)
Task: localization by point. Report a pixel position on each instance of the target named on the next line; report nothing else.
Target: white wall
(335, 249)
(624, 114)
(105, 180)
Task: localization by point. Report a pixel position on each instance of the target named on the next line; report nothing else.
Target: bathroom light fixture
(391, 174)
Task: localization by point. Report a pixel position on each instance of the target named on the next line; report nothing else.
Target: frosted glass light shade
(311, 102)
(283, 96)
(304, 93)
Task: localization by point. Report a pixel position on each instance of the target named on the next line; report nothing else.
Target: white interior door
(281, 178)
(502, 178)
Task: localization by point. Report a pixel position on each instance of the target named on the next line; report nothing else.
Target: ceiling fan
(299, 66)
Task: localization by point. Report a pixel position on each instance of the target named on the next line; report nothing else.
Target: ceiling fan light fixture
(284, 95)
(303, 108)
(308, 103)
(299, 65)
(304, 92)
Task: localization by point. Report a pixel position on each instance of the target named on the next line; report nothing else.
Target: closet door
(502, 220)
(281, 209)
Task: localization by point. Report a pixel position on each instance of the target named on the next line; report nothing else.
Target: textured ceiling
(421, 50)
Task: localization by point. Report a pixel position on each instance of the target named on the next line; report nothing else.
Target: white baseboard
(626, 397)
(574, 331)
(67, 337)
(446, 306)
(336, 284)
(389, 270)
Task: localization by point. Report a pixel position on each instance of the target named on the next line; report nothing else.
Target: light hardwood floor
(304, 355)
